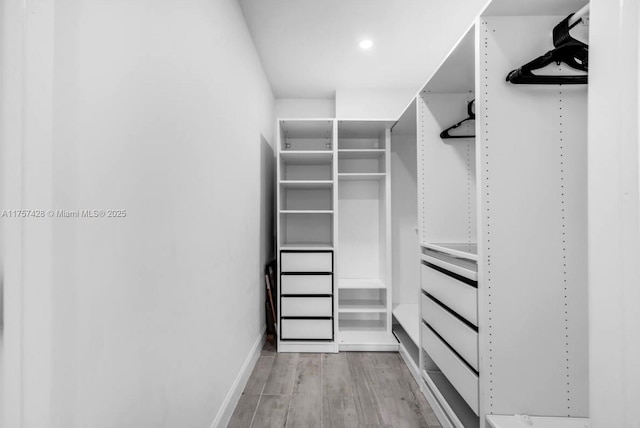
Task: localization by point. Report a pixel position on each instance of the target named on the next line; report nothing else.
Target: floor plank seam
(262, 392)
(321, 394)
(255, 410)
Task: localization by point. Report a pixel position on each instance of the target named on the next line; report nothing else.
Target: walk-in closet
(319, 214)
(460, 230)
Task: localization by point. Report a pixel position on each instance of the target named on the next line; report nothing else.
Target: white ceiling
(309, 48)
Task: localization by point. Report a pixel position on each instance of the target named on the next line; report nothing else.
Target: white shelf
(360, 284)
(361, 326)
(360, 306)
(306, 184)
(306, 211)
(307, 157)
(361, 176)
(451, 402)
(366, 337)
(463, 250)
(512, 421)
(408, 316)
(462, 267)
(305, 246)
(360, 153)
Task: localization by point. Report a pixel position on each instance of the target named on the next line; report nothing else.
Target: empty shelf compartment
(312, 135)
(362, 301)
(408, 316)
(311, 199)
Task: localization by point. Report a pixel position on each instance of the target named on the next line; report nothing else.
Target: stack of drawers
(450, 326)
(306, 295)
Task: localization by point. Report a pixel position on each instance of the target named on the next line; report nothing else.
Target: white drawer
(306, 284)
(464, 380)
(457, 334)
(458, 296)
(306, 262)
(307, 329)
(306, 307)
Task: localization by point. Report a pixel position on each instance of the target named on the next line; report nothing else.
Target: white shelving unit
(490, 208)
(306, 200)
(531, 219)
(334, 196)
(364, 264)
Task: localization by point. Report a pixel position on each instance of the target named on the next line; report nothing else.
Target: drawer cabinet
(306, 284)
(457, 295)
(307, 329)
(306, 262)
(456, 333)
(306, 307)
(463, 378)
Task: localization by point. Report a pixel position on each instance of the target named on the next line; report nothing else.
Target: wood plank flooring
(345, 390)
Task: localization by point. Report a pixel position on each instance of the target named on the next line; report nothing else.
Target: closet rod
(579, 15)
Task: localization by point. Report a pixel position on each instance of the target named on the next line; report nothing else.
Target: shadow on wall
(267, 198)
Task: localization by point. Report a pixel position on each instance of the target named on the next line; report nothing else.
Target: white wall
(373, 104)
(305, 108)
(614, 213)
(160, 108)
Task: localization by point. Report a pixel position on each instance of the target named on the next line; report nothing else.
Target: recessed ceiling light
(366, 44)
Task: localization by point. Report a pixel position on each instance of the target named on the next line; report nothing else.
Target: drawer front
(306, 307)
(307, 329)
(306, 262)
(464, 380)
(456, 295)
(457, 334)
(306, 284)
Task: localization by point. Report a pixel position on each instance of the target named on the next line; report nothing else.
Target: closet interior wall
(404, 224)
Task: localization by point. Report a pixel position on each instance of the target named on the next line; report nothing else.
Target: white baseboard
(233, 396)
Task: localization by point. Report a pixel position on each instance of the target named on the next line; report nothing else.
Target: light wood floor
(349, 389)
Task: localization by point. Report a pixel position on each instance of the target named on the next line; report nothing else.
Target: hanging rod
(579, 15)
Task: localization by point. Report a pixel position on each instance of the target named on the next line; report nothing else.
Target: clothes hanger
(572, 52)
(472, 116)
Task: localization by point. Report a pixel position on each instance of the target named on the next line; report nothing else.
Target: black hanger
(472, 116)
(572, 52)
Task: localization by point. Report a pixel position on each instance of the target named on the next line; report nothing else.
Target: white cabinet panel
(306, 262)
(456, 333)
(306, 307)
(460, 297)
(457, 372)
(306, 284)
(307, 329)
